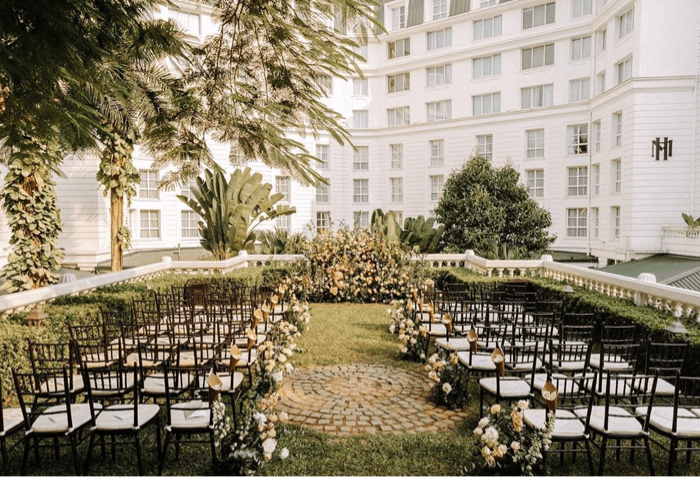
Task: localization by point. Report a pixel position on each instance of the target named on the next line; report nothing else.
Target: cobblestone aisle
(356, 398)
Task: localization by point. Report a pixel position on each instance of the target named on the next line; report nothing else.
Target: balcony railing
(681, 232)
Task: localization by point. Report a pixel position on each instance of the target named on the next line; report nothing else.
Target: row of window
(578, 226)
(577, 180)
(360, 189)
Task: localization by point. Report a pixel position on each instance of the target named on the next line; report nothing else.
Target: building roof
(675, 270)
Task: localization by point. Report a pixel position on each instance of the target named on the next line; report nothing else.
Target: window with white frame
(535, 183)
(283, 185)
(487, 3)
(360, 159)
(576, 223)
(361, 49)
(398, 215)
(484, 146)
(439, 39)
(601, 82)
(396, 156)
(537, 96)
(603, 40)
(615, 221)
(283, 222)
(579, 90)
(396, 189)
(439, 9)
(577, 139)
(488, 27)
(360, 219)
(439, 110)
(323, 154)
(438, 75)
(596, 135)
(190, 23)
(399, 48)
(595, 179)
(577, 181)
(580, 8)
(323, 220)
(535, 143)
(538, 56)
(623, 70)
(486, 104)
(150, 224)
(186, 190)
(616, 175)
(360, 191)
(325, 84)
(398, 82)
(617, 124)
(360, 87)
(595, 222)
(323, 193)
(437, 152)
(148, 188)
(398, 116)
(538, 15)
(437, 184)
(189, 224)
(398, 18)
(486, 66)
(625, 23)
(581, 48)
(360, 119)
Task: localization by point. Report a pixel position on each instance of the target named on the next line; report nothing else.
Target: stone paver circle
(363, 398)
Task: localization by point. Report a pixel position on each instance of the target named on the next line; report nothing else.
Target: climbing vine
(30, 202)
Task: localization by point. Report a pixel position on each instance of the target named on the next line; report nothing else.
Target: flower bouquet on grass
(506, 446)
(449, 387)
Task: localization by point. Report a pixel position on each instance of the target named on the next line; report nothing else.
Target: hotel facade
(572, 93)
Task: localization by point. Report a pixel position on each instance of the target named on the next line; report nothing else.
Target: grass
(341, 334)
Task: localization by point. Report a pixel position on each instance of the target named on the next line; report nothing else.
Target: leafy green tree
(232, 209)
(416, 234)
(263, 77)
(485, 209)
(52, 50)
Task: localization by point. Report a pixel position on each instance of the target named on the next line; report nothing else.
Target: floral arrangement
(354, 265)
(406, 327)
(506, 445)
(251, 440)
(449, 387)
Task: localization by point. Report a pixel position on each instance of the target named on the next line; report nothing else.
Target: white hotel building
(571, 92)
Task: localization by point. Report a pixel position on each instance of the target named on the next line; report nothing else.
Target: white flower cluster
(222, 422)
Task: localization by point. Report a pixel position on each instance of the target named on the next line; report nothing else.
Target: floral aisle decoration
(251, 440)
(506, 445)
(356, 266)
(449, 380)
(413, 340)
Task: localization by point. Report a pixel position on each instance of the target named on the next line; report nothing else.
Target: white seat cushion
(480, 362)
(58, 385)
(437, 329)
(526, 366)
(133, 360)
(454, 344)
(612, 363)
(190, 415)
(154, 384)
(108, 386)
(663, 387)
(54, 420)
(696, 411)
(225, 381)
(510, 388)
(688, 424)
(11, 419)
(541, 379)
(567, 424)
(620, 421)
(618, 387)
(121, 416)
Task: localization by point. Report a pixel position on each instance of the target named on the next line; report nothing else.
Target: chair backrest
(110, 383)
(576, 333)
(687, 401)
(176, 388)
(51, 355)
(628, 392)
(523, 359)
(619, 357)
(147, 314)
(666, 359)
(619, 334)
(99, 356)
(87, 333)
(569, 357)
(573, 393)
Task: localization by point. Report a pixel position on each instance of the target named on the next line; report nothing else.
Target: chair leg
(138, 453)
(177, 447)
(113, 443)
(589, 456)
(3, 445)
(213, 452)
(74, 451)
(603, 449)
(650, 459)
(91, 444)
(672, 453)
(687, 454)
(158, 442)
(164, 453)
(37, 459)
(56, 450)
(25, 455)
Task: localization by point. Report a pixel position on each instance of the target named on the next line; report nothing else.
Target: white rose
(495, 409)
(446, 388)
(278, 376)
(483, 422)
(284, 417)
(522, 405)
(478, 432)
(269, 446)
(515, 445)
(284, 454)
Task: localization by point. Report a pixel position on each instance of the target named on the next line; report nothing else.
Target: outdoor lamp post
(677, 328)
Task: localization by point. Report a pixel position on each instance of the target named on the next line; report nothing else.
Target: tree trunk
(116, 212)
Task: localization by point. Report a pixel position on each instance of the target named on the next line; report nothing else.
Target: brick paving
(355, 399)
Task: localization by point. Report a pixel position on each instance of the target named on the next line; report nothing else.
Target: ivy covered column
(29, 200)
(118, 176)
